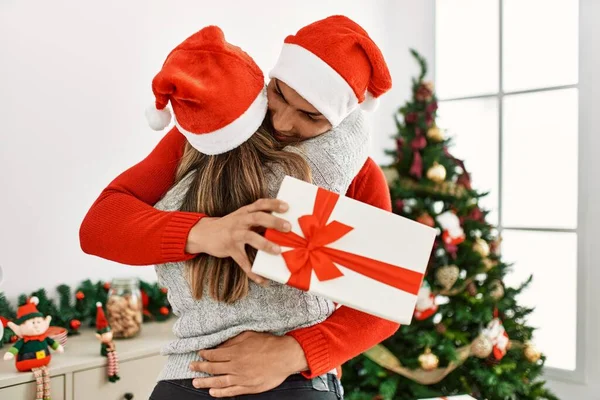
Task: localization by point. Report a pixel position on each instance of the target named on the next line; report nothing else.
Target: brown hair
(222, 184)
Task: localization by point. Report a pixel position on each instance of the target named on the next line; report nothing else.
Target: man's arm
(348, 332)
(122, 225)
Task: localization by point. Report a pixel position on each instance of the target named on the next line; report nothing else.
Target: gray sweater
(335, 158)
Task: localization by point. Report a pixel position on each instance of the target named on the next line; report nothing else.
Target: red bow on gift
(310, 253)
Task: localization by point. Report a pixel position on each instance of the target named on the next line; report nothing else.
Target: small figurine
(108, 348)
(31, 350)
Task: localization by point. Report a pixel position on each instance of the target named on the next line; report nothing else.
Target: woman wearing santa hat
(123, 226)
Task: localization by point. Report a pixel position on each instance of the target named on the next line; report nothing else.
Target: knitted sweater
(335, 158)
(122, 225)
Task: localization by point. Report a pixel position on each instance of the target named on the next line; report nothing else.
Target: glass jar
(124, 307)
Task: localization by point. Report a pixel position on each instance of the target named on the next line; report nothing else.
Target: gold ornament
(482, 347)
(480, 246)
(391, 174)
(489, 264)
(434, 133)
(428, 360)
(497, 290)
(447, 276)
(436, 173)
(531, 353)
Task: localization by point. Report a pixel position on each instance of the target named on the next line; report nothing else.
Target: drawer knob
(128, 396)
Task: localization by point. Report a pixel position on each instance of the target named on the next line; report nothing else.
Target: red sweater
(122, 225)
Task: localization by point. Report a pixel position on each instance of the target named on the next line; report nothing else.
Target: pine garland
(75, 308)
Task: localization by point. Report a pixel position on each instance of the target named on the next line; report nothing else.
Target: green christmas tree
(469, 334)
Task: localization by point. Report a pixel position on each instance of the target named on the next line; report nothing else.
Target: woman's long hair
(222, 184)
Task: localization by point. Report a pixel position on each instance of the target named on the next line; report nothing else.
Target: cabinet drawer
(27, 390)
(138, 377)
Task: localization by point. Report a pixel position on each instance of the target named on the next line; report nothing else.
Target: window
(507, 79)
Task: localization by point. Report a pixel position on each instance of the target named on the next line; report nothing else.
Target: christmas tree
(469, 334)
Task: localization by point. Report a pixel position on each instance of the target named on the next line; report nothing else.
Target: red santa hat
(101, 322)
(28, 311)
(216, 90)
(335, 66)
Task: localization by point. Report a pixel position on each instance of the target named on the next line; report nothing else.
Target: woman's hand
(228, 236)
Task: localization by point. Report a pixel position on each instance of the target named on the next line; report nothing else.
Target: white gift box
(463, 397)
(350, 252)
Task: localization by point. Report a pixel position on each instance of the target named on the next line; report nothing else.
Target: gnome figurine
(107, 349)
(31, 350)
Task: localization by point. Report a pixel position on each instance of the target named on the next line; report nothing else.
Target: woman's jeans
(326, 387)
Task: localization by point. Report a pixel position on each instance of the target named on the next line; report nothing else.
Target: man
(325, 71)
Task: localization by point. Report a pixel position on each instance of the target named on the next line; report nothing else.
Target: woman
(123, 226)
(230, 162)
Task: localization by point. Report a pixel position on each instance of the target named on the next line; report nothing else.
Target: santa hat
(101, 322)
(216, 90)
(335, 66)
(28, 311)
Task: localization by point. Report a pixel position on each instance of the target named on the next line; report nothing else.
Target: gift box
(350, 252)
(463, 397)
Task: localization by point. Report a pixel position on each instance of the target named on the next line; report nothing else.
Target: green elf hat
(101, 322)
(28, 311)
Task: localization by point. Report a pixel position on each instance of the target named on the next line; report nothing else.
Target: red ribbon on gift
(310, 253)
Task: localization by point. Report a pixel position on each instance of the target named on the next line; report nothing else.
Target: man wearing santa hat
(325, 71)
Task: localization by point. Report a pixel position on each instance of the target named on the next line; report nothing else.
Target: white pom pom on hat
(370, 103)
(98, 304)
(34, 300)
(158, 119)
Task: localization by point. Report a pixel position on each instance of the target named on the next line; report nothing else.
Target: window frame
(584, 176)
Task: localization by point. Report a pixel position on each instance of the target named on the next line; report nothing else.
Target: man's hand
(229, 235)
(249, 363)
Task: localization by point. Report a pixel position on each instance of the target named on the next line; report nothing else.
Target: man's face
(293, 118)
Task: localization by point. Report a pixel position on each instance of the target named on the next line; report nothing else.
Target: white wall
(75, 79)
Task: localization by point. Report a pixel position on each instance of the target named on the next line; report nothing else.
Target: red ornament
(428, 119)
(431, 107)
(426, 219)
(106, 286)
(410, 118)
(79, 295)
(164, 311)
(14, 338)
(164, 290)
(476, 214)
(75, 324)
(399, 204)
(145, 299)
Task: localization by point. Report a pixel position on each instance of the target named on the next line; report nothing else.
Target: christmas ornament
(164, 290)
(447, 276)
(164, 311)
(107, 345)
(434, 133)
(106, 286)
(424, 92)
(426, 219)
(391, 174)
(425, 306)
(436, 173)
(531, 353)
(14, 338)
(498, 336)
(496, 290)
(428, 360)
(75, 324)
(472, 289)
(441, 328)
(482, 346)
(480, 246)
(418, 144)
(399, 204)
(453, 233)
(79, 295)
(31, 352)
(489, 264)
(410, 118)
(431, 107)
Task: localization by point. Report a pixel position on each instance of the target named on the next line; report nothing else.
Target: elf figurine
(31, 350)
(107, 349)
